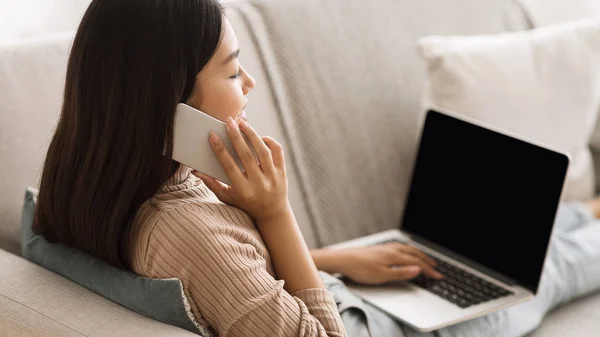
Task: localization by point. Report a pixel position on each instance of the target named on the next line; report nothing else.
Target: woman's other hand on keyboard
(386, 263)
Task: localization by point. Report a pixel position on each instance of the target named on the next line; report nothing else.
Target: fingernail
(413, 269)
(231, 123)
(243, 125)
(214, 139)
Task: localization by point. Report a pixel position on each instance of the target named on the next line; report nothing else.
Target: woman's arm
(289, 253)
(227, 282)
(376, 264)
(261, 191)
(328, 260)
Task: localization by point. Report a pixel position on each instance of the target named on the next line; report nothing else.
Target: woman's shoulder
(204, 208)
(198, 213)
(220, 228)
(191, 220)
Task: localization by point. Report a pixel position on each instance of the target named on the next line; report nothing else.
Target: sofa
(353, 63)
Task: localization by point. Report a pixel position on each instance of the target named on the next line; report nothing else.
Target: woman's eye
(236, 75)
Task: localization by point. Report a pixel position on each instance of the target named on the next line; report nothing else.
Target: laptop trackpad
(409, 303)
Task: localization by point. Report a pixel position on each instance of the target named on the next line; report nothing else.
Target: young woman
(110, 188)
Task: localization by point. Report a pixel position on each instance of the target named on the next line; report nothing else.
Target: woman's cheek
(236, 101)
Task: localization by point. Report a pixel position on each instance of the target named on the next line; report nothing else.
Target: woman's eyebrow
(231, 57)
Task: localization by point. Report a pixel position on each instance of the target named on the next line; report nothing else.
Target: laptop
(482, 203)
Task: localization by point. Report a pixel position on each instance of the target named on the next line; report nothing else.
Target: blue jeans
(572, 270)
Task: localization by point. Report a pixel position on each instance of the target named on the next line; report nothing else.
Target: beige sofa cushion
(350, 96)
(547, 12)
(35, 18)
(37, 302)
(543, 84)
(32, 75)
(576, 319)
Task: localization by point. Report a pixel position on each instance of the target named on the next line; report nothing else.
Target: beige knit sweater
(184, 231)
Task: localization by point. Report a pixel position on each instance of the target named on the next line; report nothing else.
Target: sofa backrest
(349, 86)
(339, 85)
(26, 19)
(32, 76)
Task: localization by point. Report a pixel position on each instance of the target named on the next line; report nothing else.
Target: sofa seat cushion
(580, 318)
(37, 302)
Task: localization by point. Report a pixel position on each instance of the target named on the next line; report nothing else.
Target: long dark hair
(131, 63)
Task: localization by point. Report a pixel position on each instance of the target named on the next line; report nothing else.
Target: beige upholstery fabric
(32, 76)
(351, 97)
(16, 320)
(577, 319)
(35, 301)
(547, 12)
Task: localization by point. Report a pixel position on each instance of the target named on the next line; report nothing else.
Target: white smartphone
(190, 143)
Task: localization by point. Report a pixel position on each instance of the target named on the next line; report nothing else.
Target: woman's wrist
(274, 217)
(289, 254)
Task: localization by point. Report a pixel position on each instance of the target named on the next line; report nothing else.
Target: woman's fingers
(261, 149)
(222, 191)
(240, 146)
(407, 259)
(414, 251)
(276, 152)
(225, 159)
(403, 273)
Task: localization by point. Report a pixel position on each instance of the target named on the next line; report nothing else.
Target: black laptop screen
(486, 196)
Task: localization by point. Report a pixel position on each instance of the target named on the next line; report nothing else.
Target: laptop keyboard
(459, 286)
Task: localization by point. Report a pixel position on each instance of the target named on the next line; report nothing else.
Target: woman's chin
(242, 116)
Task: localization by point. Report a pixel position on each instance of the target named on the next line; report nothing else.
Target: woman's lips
(243, 116)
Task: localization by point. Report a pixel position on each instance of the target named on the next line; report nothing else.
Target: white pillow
(548, 12)
(543, 84)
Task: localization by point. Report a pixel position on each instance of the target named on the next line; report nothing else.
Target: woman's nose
(249, 85)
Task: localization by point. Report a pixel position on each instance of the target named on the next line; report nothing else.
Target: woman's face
(222, 86)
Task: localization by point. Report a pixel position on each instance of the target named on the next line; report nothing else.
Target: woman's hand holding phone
(262, 190)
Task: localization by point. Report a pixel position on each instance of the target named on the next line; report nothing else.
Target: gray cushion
(159, 299)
